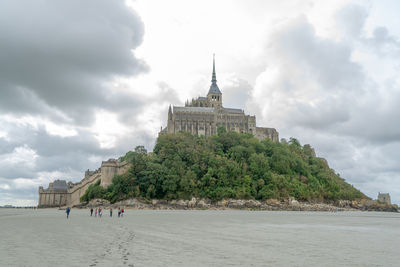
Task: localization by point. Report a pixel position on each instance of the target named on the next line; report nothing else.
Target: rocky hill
(226, 166)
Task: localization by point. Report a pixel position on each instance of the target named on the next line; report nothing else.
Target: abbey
(203, 116)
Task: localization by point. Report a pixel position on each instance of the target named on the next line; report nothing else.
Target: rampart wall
(264, 133)
(72, 195)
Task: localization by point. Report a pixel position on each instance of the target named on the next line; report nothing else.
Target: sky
(85, 81)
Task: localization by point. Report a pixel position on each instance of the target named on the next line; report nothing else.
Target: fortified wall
(267, 133)
(55, 195)
(60, 193)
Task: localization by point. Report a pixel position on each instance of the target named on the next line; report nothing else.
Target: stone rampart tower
(110, 168)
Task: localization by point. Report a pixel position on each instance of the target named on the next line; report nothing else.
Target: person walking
(110, 212)
(100, 212)
(122, 212)
(95, 212)
(91, 211)
(68, 210)
(119, 212)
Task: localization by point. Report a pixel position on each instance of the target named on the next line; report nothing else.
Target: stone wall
(384, 198)
(55, 195)
(52, 199)
(71, 194)
(75, 192)
(264, 133)
(110, 168)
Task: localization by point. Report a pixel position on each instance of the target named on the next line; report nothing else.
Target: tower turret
(170, 123)
(169, 113)
(214, 95)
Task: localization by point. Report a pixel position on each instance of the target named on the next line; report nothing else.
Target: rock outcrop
(244, 204)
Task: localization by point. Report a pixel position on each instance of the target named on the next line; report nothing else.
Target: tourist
(95, 212)
(100, 212)
(110, 212)
(91, 211)
(122, 212)
(67, 211)
(119, 212)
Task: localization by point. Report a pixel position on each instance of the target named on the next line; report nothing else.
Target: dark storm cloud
(49, 152)
(58, 60)
(61, 54)
(326, 61)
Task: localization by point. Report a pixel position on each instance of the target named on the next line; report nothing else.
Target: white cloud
(22, 155)
(4, 186)
(107, 129)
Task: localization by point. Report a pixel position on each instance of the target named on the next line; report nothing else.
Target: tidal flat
(45, 237)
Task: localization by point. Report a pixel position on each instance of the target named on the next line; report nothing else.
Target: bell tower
(214, 95)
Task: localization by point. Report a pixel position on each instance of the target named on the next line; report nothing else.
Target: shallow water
(199, 238)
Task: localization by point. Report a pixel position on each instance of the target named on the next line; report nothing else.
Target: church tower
(170, 123)
(214, 95)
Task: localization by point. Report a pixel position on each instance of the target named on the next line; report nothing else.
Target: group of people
(99, 211)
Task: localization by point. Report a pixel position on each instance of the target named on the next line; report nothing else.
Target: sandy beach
(198, 238)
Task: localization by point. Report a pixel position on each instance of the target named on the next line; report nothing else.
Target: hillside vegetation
(227, 165)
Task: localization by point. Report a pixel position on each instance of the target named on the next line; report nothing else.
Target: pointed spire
(214, 87)
(214, 76)
(169, 113)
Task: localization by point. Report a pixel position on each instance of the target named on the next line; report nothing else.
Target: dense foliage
(227, 165)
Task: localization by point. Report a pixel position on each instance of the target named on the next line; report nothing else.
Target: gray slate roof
(234, 110)
(214, 89)
(60, 186)
(193, 109)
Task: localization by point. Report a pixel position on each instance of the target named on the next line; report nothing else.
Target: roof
(234, 110)
(202, 98)
(60, 184)
(214, 89)
(194, 109)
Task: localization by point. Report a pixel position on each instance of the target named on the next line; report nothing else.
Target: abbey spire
(214, 76)
(214, 95)
(214, 87)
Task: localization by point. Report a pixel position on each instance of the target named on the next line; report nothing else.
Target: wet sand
(199, 238)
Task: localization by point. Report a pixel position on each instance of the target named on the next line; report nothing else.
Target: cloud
(59, 64)
(310, 81)
(351, 19)
(316, 90)
(61, 55)
(236, 91)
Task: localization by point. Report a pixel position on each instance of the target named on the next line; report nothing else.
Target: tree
(227, 165)
(140, 150)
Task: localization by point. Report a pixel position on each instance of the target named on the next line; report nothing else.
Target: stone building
(61, 193)
(55, 195)
(384, 198)
(203, 116)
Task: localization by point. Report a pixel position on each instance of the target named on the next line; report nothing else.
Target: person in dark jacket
(68, 211)
(91, 211)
